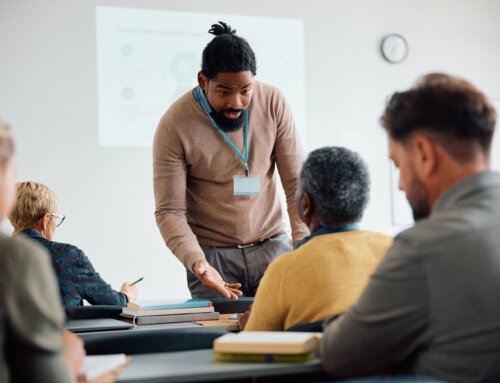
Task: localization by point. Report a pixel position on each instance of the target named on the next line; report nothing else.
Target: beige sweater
(193, 176)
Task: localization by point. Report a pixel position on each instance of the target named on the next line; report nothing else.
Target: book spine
(223, 357)
(195, 310)
(176, 318)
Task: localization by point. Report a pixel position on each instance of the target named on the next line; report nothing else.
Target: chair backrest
(146, 342)
(93, 312)
(391, 379)
(308, 327)
(231, 306)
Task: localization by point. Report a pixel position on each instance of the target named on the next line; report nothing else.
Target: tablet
(103, 324)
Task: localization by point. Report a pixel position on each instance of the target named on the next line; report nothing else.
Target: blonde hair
(6, 144)
(33, 200)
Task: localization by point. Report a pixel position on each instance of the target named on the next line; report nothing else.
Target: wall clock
(394, 48)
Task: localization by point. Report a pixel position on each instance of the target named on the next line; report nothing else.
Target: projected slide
(146, 59)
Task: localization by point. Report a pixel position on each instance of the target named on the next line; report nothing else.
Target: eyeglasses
(58, 218)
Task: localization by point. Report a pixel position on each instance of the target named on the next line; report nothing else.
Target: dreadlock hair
(227, 53)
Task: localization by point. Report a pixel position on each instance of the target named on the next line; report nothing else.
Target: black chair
(231, 306)
(317, 326)
(146, 342)
(93, 312)
(389, 379)
(308, 327)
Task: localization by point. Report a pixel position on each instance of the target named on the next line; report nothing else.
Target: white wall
(48, 95)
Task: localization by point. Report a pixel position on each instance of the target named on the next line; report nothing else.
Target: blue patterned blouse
(77, 278)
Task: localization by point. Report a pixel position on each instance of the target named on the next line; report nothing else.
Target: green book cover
(228, 357)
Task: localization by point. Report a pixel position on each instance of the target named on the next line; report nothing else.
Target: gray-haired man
(334, 262)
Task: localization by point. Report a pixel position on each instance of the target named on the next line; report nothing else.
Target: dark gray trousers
(245, 266)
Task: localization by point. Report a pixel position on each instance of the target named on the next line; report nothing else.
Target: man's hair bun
(221, 29)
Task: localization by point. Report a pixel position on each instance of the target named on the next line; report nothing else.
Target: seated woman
(35, 216)
(330, 268)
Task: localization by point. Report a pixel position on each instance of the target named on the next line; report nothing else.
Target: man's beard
(228, 124)
(418, 200)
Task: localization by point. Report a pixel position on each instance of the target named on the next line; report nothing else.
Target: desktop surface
(223, 324)
(199, 366)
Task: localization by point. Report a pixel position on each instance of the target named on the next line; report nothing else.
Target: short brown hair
(6, 144)
(32, 202)
(451, 110)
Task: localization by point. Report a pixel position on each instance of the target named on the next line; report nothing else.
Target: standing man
(431, 307)
(215, 152)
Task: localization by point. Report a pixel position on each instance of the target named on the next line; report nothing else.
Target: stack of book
(169, 311)
(266, 347)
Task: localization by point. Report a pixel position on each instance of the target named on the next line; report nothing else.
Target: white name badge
(246, 185)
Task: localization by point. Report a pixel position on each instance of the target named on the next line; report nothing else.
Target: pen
(133, 283)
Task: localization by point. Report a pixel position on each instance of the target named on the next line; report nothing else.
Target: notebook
(156, 319)
(188, 310)
(163, 304)
(97, 365)
(103, 324)
(267, 342)
(228, 357)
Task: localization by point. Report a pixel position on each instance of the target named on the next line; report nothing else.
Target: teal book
(163, 304)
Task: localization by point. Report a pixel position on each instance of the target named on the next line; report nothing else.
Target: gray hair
(337, 181)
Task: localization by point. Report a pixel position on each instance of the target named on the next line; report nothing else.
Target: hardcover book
(157, 319)
(161, 304)
(267, 342)
(227, 357)
(188, 310)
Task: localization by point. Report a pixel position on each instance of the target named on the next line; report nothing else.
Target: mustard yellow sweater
(320, 279)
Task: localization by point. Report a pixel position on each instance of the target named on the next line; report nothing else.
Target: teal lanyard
(200, 97)
(328, 230)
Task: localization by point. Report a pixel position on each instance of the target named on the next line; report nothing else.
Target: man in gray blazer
(432, 307)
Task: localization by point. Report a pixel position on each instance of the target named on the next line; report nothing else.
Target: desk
(222, 324)
(199, 366)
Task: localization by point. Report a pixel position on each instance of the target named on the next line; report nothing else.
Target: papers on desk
(97, 365)
(224, 321)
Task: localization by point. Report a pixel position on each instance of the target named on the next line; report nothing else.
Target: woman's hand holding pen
(130, 290)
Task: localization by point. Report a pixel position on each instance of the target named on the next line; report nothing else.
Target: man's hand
(74, 353)
(130, 291)
(212, 279)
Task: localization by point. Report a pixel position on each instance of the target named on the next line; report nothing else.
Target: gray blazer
(31, 315)
(433, 305)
